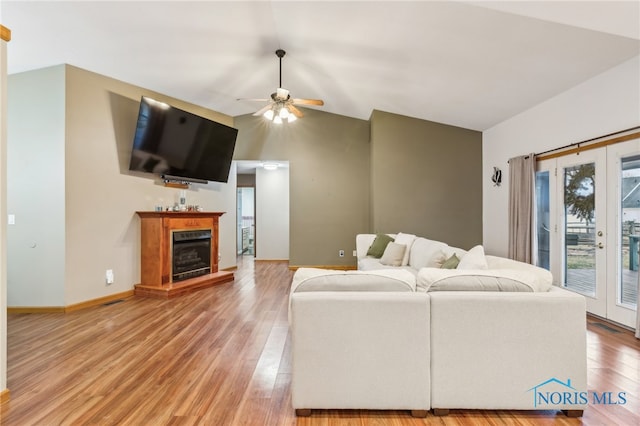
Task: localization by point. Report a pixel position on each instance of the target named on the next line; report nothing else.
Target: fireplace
(178, 253)
(191, 254)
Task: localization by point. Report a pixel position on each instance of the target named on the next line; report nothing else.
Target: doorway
(245, 201)
(588, 226)
(262, 209)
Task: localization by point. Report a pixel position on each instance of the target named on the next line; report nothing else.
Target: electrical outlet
(341, 253)
(355, 253)
(109, 276)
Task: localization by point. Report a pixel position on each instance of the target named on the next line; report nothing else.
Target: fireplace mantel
(156, 247)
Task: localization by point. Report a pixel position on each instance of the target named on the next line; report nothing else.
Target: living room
(344, 178)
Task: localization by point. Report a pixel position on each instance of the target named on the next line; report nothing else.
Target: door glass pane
(579, 219)
(543, 233)
(630, 228)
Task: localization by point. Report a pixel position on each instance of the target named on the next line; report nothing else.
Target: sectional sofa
(401, 332)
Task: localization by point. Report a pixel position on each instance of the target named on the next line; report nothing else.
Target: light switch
(12, 219)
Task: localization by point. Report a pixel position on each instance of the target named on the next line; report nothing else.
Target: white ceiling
(469, 64)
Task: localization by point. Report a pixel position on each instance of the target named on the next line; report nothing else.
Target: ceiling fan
(281, 105)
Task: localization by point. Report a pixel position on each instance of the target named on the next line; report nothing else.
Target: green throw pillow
(451, 263)
(379, 244)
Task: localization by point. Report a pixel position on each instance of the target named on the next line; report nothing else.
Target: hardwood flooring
(221, 356)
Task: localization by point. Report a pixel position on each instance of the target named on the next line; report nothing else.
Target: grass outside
(583, 257)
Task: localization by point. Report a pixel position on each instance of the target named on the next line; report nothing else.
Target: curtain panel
(521, 202)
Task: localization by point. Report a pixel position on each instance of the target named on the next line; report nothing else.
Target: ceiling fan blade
(295, 111)
(253, 100)
(262, 110)
(318, 102)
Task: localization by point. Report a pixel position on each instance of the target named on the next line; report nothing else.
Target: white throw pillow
(474, 259)
(407, 240)
(393, 254)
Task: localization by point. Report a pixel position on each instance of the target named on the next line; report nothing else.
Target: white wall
(272, 214)
(604, 104)
(35, 192)
(227, 230)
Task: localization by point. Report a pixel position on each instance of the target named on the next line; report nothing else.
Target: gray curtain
(521, 192)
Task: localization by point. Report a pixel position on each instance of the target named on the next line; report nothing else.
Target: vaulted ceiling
(468, 64)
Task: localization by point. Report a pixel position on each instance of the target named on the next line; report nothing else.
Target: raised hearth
(179, 253)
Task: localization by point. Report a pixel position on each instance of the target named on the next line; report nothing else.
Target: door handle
(600, 245)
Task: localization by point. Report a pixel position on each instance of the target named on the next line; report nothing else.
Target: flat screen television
(181, 145)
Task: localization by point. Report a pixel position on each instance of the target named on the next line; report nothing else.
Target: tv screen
(170, 141)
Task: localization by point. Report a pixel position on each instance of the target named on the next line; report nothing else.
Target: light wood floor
(221, 356)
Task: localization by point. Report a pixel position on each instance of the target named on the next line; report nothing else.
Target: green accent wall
(426, 179)
(391, 173)
(328, 157)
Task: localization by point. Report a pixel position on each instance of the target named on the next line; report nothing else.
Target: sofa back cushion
(426, 253)
(448, 251)
(314, 279)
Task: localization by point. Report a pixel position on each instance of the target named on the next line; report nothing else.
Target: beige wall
(328, 156)
(100, 197)
(426, 179)
(347, 176)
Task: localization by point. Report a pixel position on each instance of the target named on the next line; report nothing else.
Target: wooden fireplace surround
(156, 230)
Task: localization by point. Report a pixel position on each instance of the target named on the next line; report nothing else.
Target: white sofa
(428, 339)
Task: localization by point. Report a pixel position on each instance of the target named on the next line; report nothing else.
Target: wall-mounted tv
(176, 143)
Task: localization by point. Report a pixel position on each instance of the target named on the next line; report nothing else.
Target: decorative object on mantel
(282, 107)
(179, 253)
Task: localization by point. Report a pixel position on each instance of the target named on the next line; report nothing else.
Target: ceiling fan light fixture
(270, 166)
(268, 114)
(282, 107)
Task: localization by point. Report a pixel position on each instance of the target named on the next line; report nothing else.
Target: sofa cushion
(393, 254)
(426, 253)
(379, 244)
(372, 264)
(315, 279)
(407, 240)
(474, 259)
(543, 278)
(512, 280)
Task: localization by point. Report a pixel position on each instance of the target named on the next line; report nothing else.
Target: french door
(588, 226)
